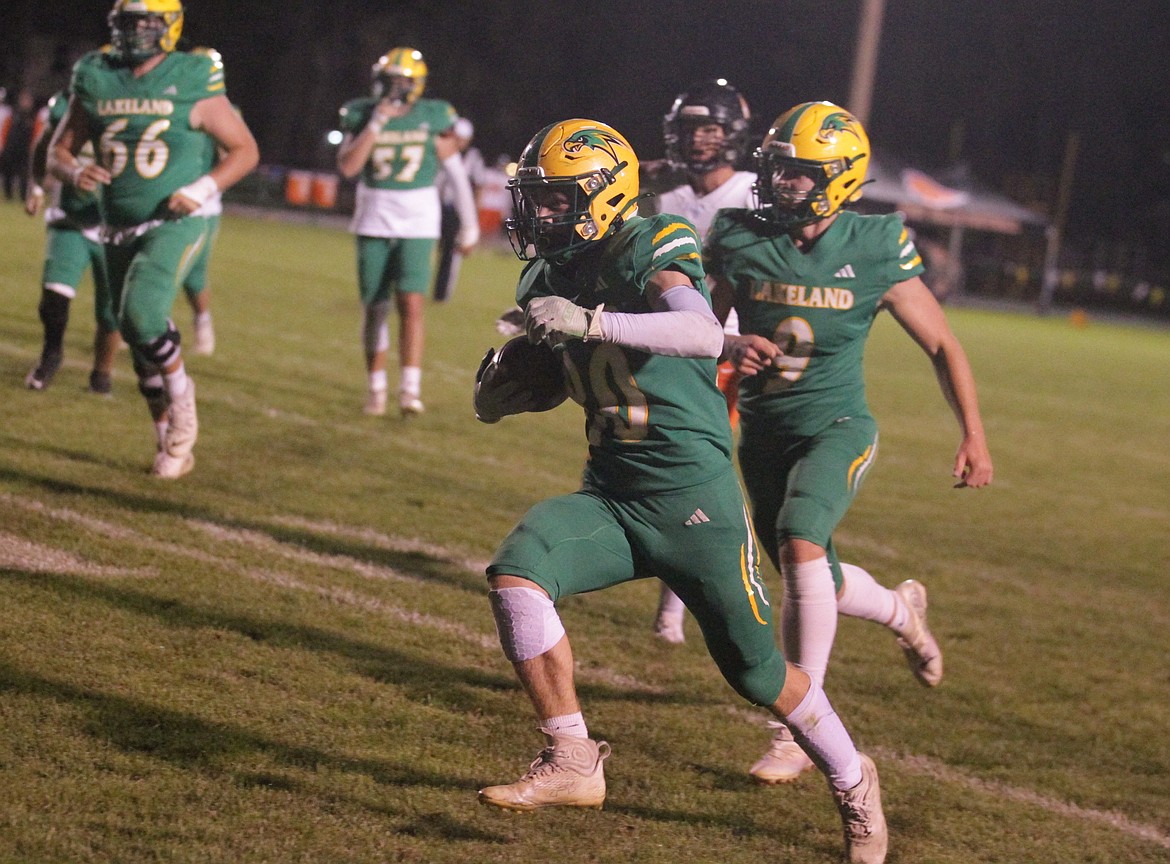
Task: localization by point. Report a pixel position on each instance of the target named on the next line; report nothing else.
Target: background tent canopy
(958, 202)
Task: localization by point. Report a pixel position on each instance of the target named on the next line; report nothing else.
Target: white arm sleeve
(464, 199)
(681, 325)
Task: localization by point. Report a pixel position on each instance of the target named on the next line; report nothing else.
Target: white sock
(571, 725)
(862, 597)
(808, 616)
(821, 734)
(176, 382)
(160, 429)
(378, 380)
(201, 317)
(411, 380)
(670, 603)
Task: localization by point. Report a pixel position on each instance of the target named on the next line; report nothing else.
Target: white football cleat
(916, 640)
(174, 457)
(168, 467)
(866, 835)
(204, 335)
(567, 773)
(183, 428)
(375, 403)
(409, 403)
(784, 762)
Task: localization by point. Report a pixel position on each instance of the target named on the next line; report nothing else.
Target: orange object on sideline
(298, 188)
(324, 191)
(728, 383)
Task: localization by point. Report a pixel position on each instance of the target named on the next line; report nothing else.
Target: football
(537, 368)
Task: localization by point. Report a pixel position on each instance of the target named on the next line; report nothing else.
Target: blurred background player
(613, 291)
(73, 243)
(151, 107)
(450, 258)
(396, 140)
(808, 279)
(195, 287)
(706, 135)
(16, 145)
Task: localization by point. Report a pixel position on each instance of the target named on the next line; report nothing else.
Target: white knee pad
(375, 333)
(527, 622)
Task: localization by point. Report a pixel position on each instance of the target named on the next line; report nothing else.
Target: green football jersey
(654, 423)
(143, 128)
(404, 156)
(71, 208)
(817, 306)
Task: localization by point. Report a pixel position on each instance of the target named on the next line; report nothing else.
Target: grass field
(288, 654)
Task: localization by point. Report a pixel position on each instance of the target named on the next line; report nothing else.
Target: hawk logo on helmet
(594, 139)
(834, 125)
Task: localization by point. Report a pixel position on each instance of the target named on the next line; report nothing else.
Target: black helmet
(704, 103)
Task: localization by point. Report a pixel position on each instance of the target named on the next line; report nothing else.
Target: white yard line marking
(924, 766)
(384, 541)
(336, 594)
(344, 596)
(262, 542)
(935, 769)
(16, 553)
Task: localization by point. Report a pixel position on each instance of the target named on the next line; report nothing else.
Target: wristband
(200, 190)
(75, 173)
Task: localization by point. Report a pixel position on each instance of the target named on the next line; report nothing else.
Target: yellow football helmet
(400, 75)
(823, 141)
(140, 29)
(593, 167)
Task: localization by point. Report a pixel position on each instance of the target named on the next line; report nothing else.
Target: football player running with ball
(622, 298)
(395, 141)
(148, 109)
(807, 279)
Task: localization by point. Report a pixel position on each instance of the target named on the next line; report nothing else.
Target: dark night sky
(1002, 84)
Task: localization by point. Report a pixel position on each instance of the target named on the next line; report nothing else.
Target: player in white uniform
(706, 135)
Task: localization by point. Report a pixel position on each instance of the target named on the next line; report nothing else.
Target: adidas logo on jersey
(171, 91)
(697, 518)
(846, 272)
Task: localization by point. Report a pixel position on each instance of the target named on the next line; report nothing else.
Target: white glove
(496, 398)
(555, 320)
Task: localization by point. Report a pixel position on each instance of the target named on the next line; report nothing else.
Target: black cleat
(100, 382)
(41, 376)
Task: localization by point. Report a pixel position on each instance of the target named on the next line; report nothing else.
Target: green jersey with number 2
(654, 423)
(817, 306)
(143, 128)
